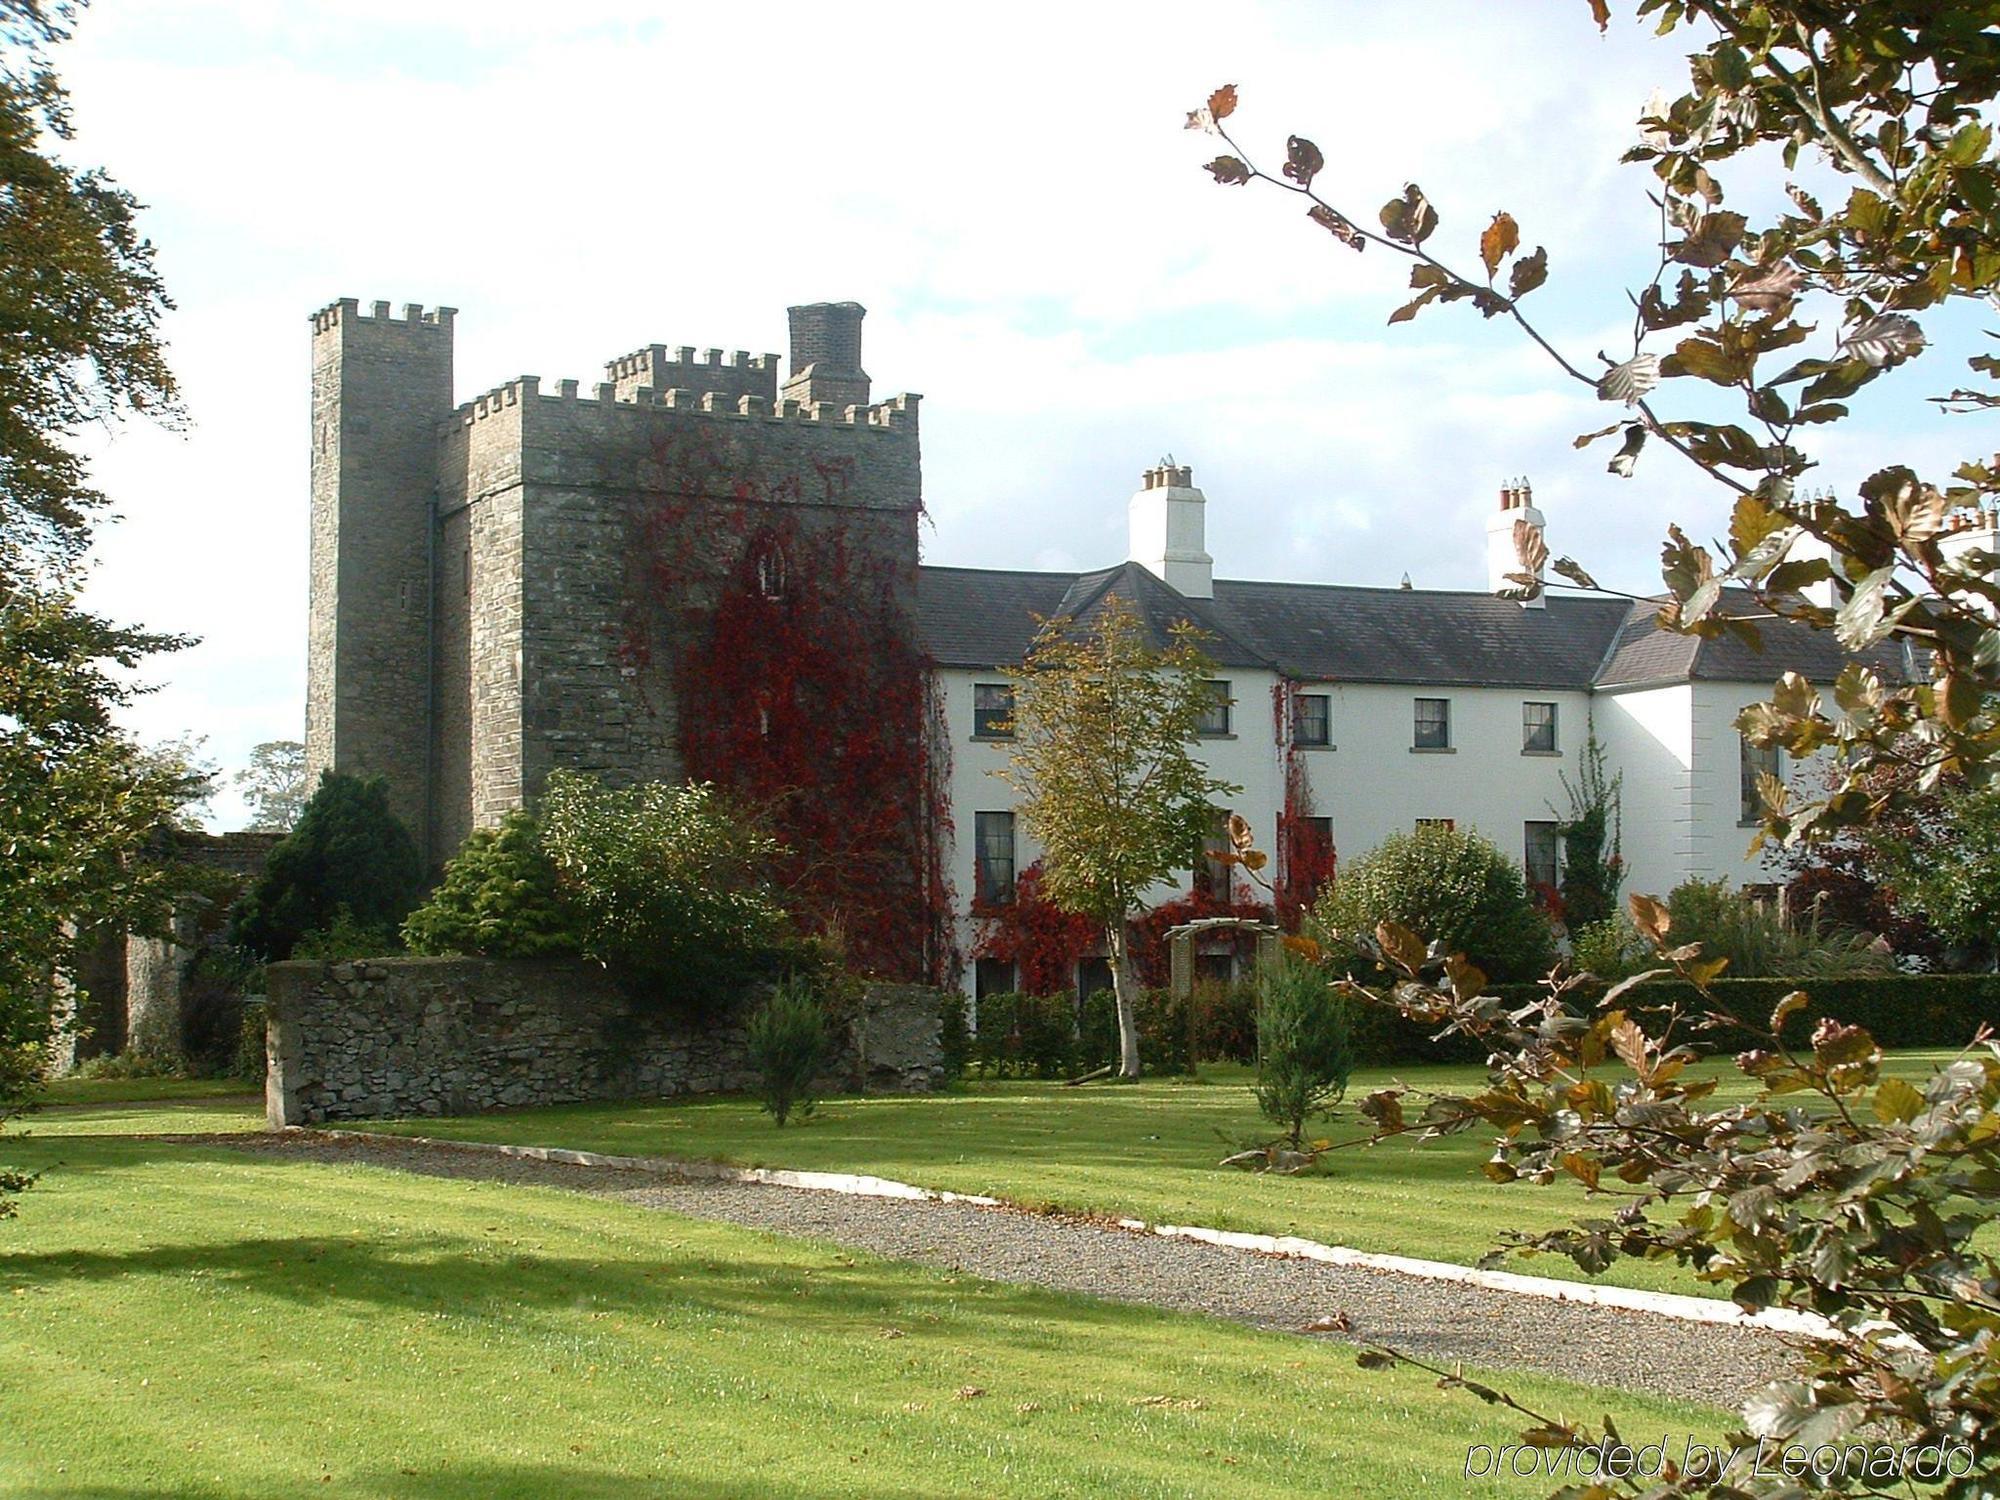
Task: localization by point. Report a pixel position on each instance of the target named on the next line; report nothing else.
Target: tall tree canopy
(1103, 722)
(80, 309)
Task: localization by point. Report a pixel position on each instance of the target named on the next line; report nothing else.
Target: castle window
(993, 710)
(1433, 724)
(1539, 856)
(1312, 719)
(771, 573)
(1753, 762)
(1538, 729)
(993, 854)
(1214, 721)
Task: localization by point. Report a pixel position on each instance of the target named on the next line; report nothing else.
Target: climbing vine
(800, 687)
(1305, 852)
(1045, 943)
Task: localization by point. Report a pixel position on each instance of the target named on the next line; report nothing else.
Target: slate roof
(1646, 654)
(980, 619)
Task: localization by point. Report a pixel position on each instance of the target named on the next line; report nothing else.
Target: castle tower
(826, 354)
(380, 385)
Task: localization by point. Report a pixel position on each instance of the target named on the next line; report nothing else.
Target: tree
(788, 1041)
(1108, 786)
(1452, 886)
(1305, 1045)
(80, 305)
(349, 856)
(671, 885)
(274, 784)
(1891, 97)
(1858, 1197)
(1946, 870)
(185, 758)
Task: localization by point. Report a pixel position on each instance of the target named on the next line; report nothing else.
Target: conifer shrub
(499, 899)
(348, 851)
(1304, 1044)
(1454, 887)
(789, 1043)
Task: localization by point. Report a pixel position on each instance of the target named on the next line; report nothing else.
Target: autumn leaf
(1649, 916)
(1767, 290)
(1230, 171)
(1302, 160)
(1221, 105)
(1529, 272)
(1600, 12)
(1631, 381)
(1501, 239)
(1409, 219)
(1336, 226)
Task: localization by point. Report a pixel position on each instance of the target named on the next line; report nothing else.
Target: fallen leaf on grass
(1327, 1323)
(968, 1392)
(1175, 1403)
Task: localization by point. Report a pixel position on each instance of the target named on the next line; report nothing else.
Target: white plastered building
(1359, 712)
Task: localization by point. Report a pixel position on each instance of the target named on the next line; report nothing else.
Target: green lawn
(1147, 1151)
(185, 1321)
(63, 1091)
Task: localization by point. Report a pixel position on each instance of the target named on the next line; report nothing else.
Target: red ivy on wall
(1042, 941)
(1045, 943)
(802, 690)
(1306, 860)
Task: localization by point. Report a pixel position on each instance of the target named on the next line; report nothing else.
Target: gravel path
(1439, 1321)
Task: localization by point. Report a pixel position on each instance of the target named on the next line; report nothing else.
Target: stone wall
(443, 1036)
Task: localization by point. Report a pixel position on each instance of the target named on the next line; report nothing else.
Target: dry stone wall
(443, 1036)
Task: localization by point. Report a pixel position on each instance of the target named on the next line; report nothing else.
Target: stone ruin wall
(445, 1036)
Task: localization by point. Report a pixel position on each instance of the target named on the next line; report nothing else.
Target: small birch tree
(1109, 786)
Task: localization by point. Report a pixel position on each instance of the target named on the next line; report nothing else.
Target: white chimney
(1503, 550)
(1974, 532)
(1168, 530)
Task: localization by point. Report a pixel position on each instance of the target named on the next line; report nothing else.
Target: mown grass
(190, 1321)
(1147, 1151)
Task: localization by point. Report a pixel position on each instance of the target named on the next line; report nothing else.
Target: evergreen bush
(1304, 1044)
(348, 851)
(499, 899)
(789, 1044)
(1454, 888)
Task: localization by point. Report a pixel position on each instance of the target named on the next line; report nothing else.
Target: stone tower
(379, 386)
(513, 585)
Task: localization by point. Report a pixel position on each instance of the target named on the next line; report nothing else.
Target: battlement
(659, 368)
(348, 311)
(898, 414)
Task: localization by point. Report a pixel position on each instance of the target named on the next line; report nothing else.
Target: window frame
(1530, 730)
(981, 716)
(1300, 720)
(1225, 700)
(985, 888)
(1442, 724)
(1553, 832)
(1751, 759)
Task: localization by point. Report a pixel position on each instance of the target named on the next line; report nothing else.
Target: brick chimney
(826, 354)
(1167, 530)
(1503, 556)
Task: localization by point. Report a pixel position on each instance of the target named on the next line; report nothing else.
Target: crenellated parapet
(658, 368)
(347, 312)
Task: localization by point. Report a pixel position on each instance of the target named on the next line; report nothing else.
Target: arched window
(771, 571)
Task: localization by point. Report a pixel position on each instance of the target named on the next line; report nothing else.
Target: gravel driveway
(1439, 1321)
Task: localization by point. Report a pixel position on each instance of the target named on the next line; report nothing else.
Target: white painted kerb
(1660, 1304)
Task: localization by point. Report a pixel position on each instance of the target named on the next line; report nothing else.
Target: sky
(1009, 191)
